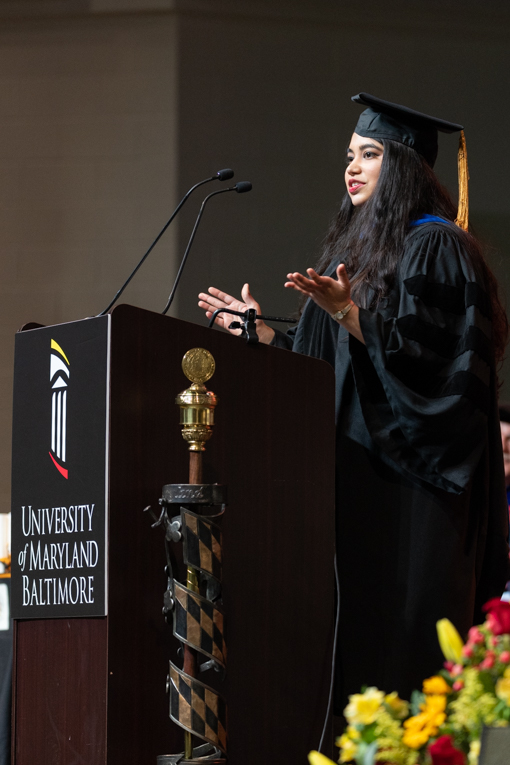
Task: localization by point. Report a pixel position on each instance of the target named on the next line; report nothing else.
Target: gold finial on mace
(196, 402)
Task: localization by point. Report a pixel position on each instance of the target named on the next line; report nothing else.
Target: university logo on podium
(60, 470)
(59, 379)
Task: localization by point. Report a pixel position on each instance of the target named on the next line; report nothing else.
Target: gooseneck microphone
(241, 188)
(221, 175)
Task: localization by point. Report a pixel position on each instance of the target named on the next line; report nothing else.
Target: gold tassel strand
(462, 219)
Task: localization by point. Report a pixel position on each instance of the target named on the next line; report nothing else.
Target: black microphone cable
(241, 188)
(221, 175)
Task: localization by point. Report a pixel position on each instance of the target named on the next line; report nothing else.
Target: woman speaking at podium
(404, 307)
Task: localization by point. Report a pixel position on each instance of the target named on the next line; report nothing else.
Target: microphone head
(243, 186)
(225, 175)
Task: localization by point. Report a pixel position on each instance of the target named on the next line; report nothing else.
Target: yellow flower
(506, 673)
(362, 708)
(434, 708)
(420, 728)
(449, 640)
(348, 750)
(434, 704)
(353, 732)
(474, 752)
(414, 739)
(399, 707)
(416, 722)
(316, 758)
(503, 689)
(436, 684)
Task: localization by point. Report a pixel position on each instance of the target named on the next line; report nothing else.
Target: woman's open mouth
(355, 186)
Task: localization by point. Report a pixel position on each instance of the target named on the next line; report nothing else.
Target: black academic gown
(422, 518)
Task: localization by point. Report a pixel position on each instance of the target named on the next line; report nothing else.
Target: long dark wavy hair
(407, 188)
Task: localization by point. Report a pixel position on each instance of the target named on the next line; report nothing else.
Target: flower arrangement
(442, 724)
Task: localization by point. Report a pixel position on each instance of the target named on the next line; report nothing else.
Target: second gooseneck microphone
(221, 175)
(241, 188)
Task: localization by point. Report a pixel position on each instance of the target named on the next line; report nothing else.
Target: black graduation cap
(399, 123)
(384, 119)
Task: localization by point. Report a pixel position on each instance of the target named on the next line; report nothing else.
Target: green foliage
(417, 699)
(487, 682)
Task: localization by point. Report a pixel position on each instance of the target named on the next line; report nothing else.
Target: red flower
(475, 636)
(443, 752)
(498, 616)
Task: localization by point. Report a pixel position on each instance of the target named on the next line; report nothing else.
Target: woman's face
(364, 159)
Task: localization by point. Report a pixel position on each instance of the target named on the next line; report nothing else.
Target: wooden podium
(91, 689)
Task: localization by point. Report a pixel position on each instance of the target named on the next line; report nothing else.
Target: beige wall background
(111, 109)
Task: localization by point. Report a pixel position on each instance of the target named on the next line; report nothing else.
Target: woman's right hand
(213, 299)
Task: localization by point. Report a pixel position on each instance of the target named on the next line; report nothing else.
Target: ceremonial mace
(197, 615)
(197, 406)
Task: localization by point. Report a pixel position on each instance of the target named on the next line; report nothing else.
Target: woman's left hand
(328, 293)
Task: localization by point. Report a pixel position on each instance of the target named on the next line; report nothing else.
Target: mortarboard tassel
(462, 219)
